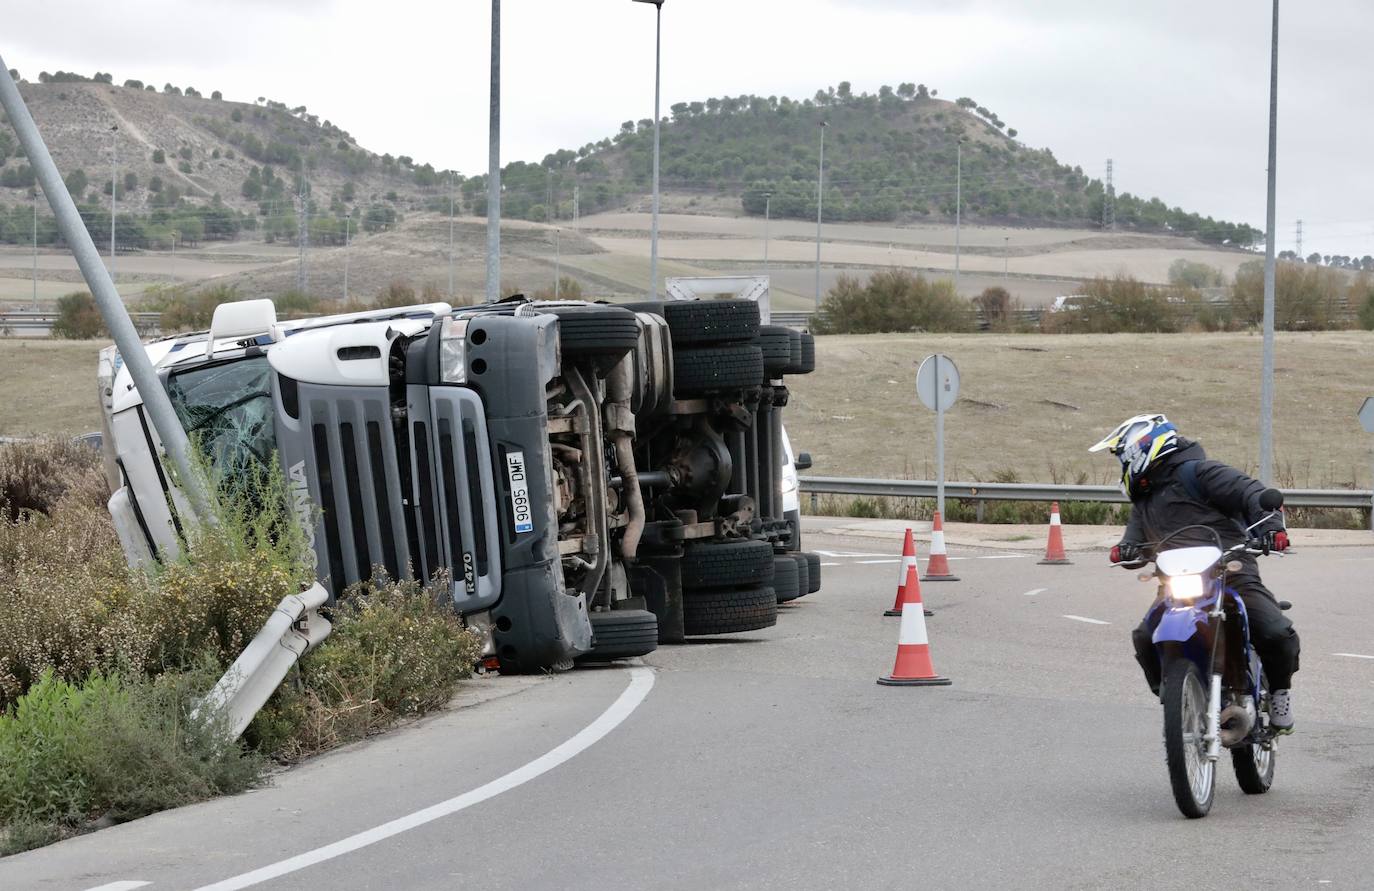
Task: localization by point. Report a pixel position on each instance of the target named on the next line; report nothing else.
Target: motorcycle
(1214, 690)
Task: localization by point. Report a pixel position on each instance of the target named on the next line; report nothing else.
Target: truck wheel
(776, 343)
(804, 360)
(707, 322)
(712, 369)
(786, 578)
(622, 634)
(726, 612)
(727, 564)
(813, 572)
(607, 332)
(803, 573)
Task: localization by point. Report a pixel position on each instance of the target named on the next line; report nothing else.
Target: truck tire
(808, 352)
(813, 572)
(786, 578)
(607, 332)
(707, 322)
(727, 564)
(804, 361)
(712, 369)
(776, 343)
(728, 612)
(621, 634)
(803, 573)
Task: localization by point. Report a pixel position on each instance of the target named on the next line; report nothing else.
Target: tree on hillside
(134, 84)
(76, 181)
(965, 102)
(217, 95)
(906, 91)
(170, 90)
(159, 156)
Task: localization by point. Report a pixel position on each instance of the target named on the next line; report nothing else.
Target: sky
(1174, 91)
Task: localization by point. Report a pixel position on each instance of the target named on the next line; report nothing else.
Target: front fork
(1213, 735)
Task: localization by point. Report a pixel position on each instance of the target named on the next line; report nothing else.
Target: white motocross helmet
(1137, 443)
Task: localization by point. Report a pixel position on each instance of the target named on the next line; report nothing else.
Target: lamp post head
(658, 4)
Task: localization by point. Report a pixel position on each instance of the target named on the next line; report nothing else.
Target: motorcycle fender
(1179, 624)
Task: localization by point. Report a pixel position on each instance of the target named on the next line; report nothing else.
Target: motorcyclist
(1172, 485)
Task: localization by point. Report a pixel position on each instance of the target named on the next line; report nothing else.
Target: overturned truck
(592, 479)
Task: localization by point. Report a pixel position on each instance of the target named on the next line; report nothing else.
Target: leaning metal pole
(107, 299)
(1266, 455)
(494, 162)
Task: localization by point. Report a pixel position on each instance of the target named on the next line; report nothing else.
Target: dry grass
(49, 386)
(1032, 404)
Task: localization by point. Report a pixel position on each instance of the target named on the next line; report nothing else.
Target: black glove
(1126, 552)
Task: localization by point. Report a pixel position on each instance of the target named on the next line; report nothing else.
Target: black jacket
(1227, 501)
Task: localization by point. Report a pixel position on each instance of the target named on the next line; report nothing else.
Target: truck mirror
(803, 461)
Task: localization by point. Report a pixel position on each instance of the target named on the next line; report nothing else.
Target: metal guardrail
(39, 323)
(1358, 499)
(792, 318)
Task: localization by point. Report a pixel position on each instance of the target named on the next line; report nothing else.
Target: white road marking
(1033, 591)
(119, 886)
(1086, 619)
(1003, 557)
(1353, 655)
(641, 682)
(831, 564)
(871, 562)
(848, 554)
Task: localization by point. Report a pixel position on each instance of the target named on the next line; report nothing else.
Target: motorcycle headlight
(1186, 587)
(453, 338)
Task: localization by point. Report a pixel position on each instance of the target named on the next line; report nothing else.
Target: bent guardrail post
(107, 299)
(293, 629)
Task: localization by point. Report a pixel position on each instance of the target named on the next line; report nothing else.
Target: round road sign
(937, 382)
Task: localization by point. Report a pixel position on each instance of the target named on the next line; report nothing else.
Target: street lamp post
(820, 199)
(348, 226)
(557, 258)
(1266, 457)
(450, 242)
(767, 213)
(35, 248)
(114, 194)
(958, 205)
(658, 59)
(174, 255)
(494, 162)
(1006, 257)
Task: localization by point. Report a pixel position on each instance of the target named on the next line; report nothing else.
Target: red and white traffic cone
(937, 568)
(1054, 550)
(908, 563)
(913, 667)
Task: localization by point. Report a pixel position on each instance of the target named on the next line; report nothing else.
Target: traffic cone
(937, 568)
(913, 667)
(1054, 550)
(908, 563)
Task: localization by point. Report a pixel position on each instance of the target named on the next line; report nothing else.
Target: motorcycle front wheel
(1191, 775)
(1254, 764)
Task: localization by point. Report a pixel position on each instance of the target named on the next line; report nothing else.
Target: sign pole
(1366, 416)
(939, 445)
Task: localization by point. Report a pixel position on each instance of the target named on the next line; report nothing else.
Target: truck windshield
(227, 409)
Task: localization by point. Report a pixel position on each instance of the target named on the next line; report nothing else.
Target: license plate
(519, 492)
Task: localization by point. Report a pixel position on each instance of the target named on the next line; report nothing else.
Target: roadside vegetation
(1306, 298)
(101, 665)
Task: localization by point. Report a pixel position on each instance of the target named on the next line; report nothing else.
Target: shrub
(1362, 297)
(1119, 304)
(568, 289)
(1192, 274)
(159, 156)
(398, 293)
(36, 476)
(113, 747)
(996, 305)
(397, 650)
(77, 317)
(892, 300)
(1306, 297)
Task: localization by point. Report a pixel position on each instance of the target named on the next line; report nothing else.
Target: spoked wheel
(1192, 776)
(1254, 763)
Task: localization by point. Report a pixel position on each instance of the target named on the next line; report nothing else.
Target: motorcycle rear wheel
(1191, 775)
(1254, 765)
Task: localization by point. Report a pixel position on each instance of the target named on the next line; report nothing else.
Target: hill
(890, 157)
(205, 168)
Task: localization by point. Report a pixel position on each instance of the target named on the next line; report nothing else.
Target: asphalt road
(773, 760)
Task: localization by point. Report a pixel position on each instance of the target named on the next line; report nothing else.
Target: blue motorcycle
(1214, 691)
